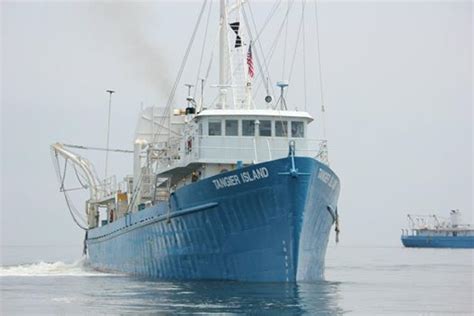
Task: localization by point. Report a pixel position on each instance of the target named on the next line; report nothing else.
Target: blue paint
(438, 241)
(272, 229)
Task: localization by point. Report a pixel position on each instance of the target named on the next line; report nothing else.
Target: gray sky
(397, 83)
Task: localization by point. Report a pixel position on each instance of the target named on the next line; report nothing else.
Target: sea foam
(59, 268)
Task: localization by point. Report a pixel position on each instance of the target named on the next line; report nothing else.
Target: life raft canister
(189, 144)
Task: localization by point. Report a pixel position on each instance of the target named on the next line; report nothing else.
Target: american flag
(250, 61)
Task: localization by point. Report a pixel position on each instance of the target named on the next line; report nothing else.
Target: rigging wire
(202, 49)
(276, 39)
(285, 43)
(300, 27)
(211, 59)
(73, 189)
(266, 78)
(98, 148)
(209, 66)
(304, 59)
(267, 20)
(323, 110)
(167, 110)
(255, 52)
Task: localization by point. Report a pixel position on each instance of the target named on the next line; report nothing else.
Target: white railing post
(255, 150)
(269, 150)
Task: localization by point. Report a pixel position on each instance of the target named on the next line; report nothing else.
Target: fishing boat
(433, 231)
(229, 189)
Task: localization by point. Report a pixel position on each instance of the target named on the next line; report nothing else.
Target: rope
(84, 186)
(72, 210)
(64, 174)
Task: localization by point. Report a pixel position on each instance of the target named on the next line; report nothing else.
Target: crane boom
(84, 164)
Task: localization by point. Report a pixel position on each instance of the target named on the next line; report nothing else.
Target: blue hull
(438, 241)
(258, 223)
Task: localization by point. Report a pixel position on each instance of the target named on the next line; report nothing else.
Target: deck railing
(255, 149)
(230, 149)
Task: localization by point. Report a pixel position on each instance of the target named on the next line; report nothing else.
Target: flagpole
(250, 74)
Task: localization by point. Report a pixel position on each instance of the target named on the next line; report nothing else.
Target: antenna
(190, 109)
(189, 98)
(202, 94)
(282, 85)
(110, 92)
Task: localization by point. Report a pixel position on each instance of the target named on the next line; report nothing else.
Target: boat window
(265, 128)
(248, 127)
(231, 127)
(215, 128)
(297, 129)
(281, 128)
(200, 129)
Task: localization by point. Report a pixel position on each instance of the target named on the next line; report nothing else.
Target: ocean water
(359, 281)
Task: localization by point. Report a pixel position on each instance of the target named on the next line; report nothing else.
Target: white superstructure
(434, 225)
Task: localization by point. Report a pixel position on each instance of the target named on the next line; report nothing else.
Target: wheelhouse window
(265, 128)
(281, 128)
(297, 129)
(214, 128)
(231, 127)
(248, 127)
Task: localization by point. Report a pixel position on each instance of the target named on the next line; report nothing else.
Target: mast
(222, 54)
(108, 132)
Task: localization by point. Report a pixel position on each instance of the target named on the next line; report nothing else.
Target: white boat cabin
(217, 140)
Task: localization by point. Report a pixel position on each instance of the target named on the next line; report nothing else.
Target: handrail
(227, 149)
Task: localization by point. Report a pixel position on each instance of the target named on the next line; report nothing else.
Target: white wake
(59, 268)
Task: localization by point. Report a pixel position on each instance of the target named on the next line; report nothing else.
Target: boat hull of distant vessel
(265, 222)
(438, 241)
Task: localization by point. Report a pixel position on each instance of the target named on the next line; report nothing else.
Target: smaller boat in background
(432, 231)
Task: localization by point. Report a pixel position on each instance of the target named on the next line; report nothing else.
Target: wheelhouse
(246, 123)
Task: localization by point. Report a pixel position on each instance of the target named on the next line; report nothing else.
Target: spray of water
(40, 269)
